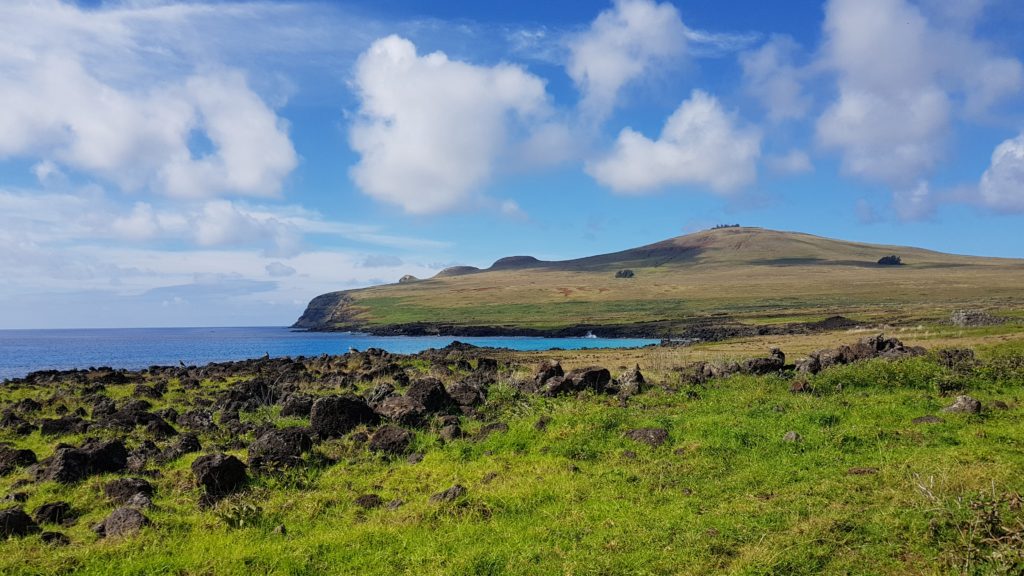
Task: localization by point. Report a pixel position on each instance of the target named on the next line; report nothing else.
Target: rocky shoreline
(696, 330)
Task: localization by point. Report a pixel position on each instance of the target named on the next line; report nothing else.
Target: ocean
(24, 351)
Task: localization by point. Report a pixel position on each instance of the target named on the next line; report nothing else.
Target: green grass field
(865, 491)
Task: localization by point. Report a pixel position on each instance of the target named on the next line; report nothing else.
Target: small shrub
(240, 514)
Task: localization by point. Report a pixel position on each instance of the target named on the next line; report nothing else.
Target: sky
(180, 163)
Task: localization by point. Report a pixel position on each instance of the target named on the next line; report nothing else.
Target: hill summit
(742, 274)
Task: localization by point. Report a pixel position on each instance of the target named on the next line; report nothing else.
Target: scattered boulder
(335, 416)
(593, 378)
(198, 420)
(283, 447)
(62, 425)
(106, 455)
(122, 490)
(430, 393)
(792, 436)
(653, 437)
(402, 410)
(974, 319)
(547, 370)
(12, 458)
(121, 522)
(929, 419)
(625, 274)
(186, 444)
(964, 405)
(450, 432)
(54, 513)
(15, 522)
(866, 349)
(220, 474)
(450, 495)
(297, 405)
(66, 465)
(466, 395)
(379, 393)
(407, 279)
(959, 360)
(390, 440)
(631, 382)
(488, 429)
(775, 362)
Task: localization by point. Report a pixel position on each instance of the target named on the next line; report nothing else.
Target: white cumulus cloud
(622, 44)
(80, 94)
(700, 144)
(901, 76)
(1002, 184)
(772, 77)
(430, 129)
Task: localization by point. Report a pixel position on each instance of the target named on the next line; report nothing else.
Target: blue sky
(219, 163)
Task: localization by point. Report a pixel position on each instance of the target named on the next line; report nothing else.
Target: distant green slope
(747, 273)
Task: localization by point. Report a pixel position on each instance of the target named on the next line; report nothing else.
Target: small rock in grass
(54, 513)
(122, 490)
(929, 419)
(55, 539)
(220, 474)
(369, 501)
(450, 495)
(121, 522)
(792, 436)
(964, 405)
(390, 440)
(653, 437)
(542, 423)
(15, 522)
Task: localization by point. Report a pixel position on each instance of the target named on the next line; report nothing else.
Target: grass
(724, 494)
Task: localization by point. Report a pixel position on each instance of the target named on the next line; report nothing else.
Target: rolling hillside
(749, 275)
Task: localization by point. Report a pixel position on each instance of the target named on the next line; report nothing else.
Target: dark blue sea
(24, 351)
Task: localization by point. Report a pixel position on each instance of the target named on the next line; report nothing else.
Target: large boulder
(121, 522)
(283, 447)
(66, 465)
(15, 522)
(219, 474)
(335, 416)
(106, 455)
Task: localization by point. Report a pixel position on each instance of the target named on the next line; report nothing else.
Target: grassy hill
(750, 274)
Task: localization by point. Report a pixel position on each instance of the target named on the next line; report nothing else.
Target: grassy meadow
(564, 491)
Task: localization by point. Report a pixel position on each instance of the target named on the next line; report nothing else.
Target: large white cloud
(85, 92)
(622, 44)
(901, 77)
(773, 78)
(1002, 184)
(430, 129)
(700, 144)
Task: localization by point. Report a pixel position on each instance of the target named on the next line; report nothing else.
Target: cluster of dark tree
(719, 226)
(892, 260)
